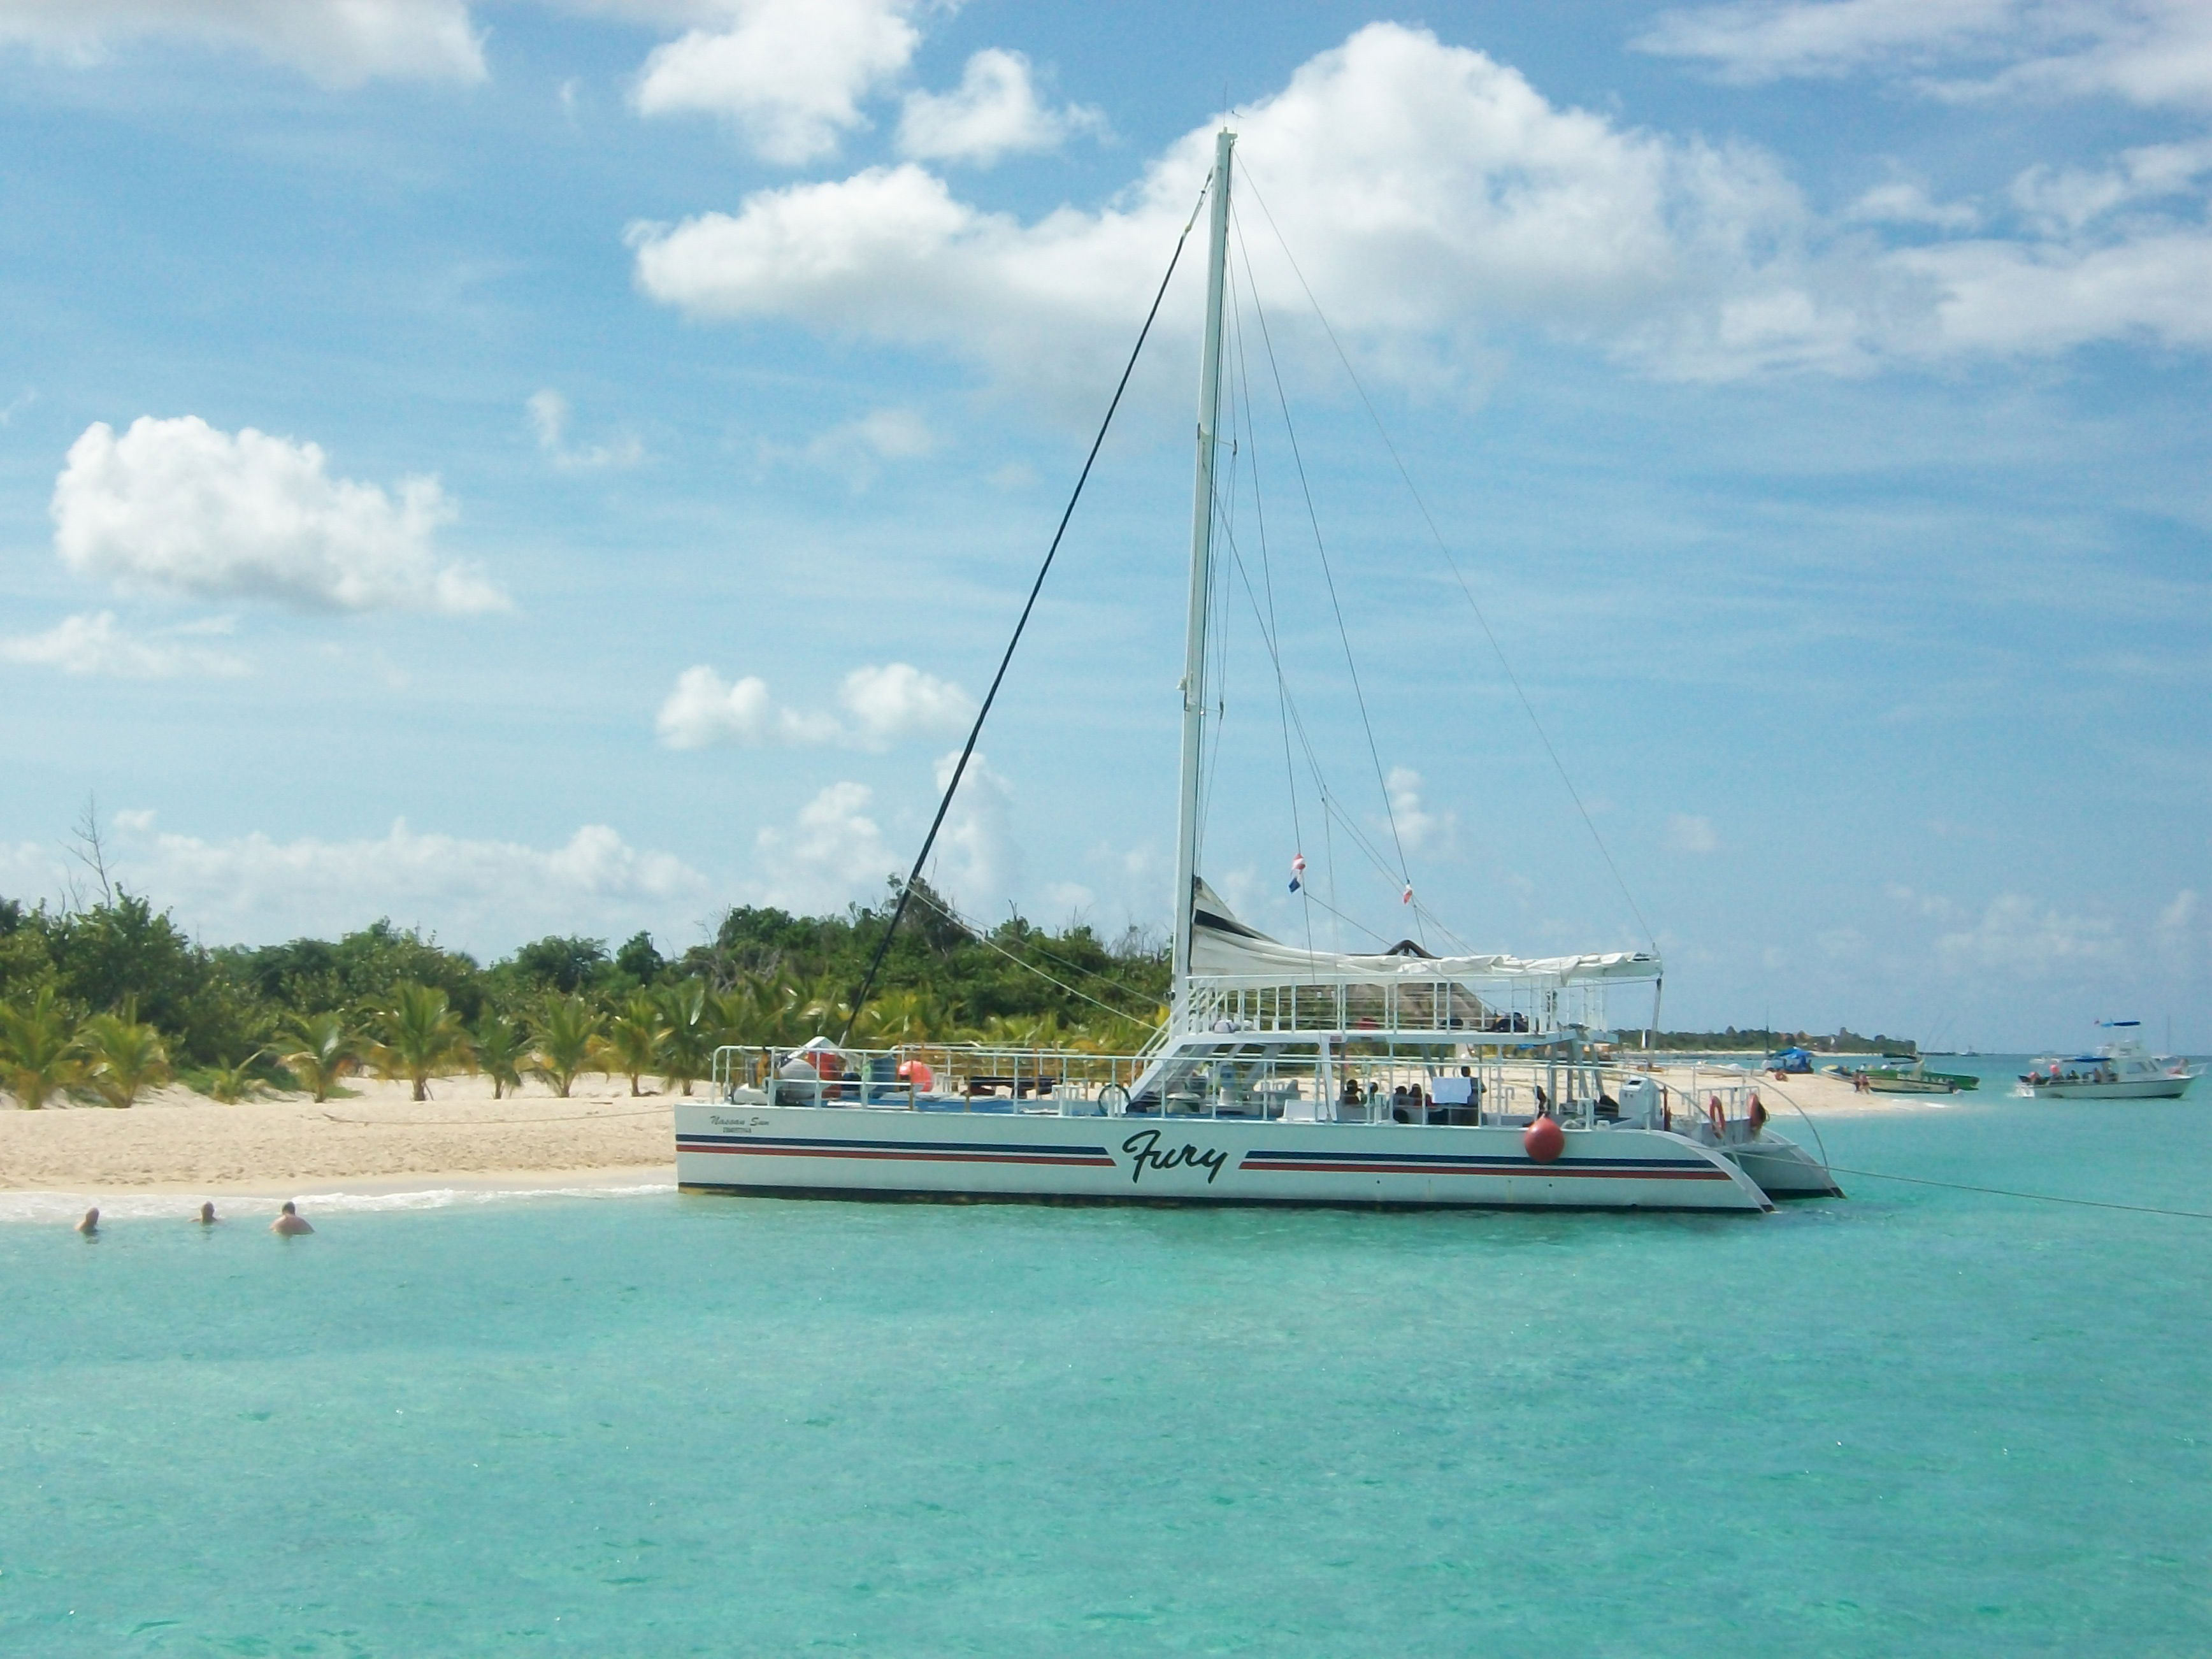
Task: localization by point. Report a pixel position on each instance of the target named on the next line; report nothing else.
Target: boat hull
(1782, 1169)
(2152, 1088)
(852, 1153)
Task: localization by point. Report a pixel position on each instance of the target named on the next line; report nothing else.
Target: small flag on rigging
(1297, 870)
(1406, 897)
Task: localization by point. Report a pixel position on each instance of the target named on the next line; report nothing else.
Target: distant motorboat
(2121, 1069)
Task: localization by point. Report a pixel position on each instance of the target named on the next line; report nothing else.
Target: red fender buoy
(1717, 1115)
(1544, 1140)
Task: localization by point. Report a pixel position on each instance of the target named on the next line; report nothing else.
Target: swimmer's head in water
(91, 1222)
(207, 1214)
(290, 1208)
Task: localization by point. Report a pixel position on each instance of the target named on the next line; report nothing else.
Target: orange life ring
(1717, 1116)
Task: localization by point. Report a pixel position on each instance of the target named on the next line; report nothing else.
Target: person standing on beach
(291, 1224)
(90, 1225)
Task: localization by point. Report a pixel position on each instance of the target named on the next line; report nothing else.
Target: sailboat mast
(1201, 575)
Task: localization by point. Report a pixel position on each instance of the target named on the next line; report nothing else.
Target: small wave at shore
(56, 1206)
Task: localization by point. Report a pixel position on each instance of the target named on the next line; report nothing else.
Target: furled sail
(1222, 947)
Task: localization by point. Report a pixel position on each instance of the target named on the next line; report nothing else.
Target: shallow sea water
(1919, 1421)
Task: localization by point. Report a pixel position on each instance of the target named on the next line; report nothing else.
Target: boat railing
(1714, 1105)
(1326, 1084)
(927, 1077)
(1408, 1004)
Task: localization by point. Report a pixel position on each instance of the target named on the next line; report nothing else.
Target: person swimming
(291, 1224)
(207, 1215)
(90, 1225)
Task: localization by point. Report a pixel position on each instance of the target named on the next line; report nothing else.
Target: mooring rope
(2008, 1192)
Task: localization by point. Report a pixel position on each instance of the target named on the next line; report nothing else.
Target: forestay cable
(960, 769)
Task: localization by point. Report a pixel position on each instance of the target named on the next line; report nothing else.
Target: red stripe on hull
(906, 1156)
(1537, 1169)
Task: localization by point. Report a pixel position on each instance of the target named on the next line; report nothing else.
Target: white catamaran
(1283, 1075)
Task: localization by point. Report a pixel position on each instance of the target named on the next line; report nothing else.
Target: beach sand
(379, 1139)
(176, 1139)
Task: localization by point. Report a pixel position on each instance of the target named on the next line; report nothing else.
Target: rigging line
(1344, 634)
(1273, 628)
(1353, 921)
(921, 859)
(1330, 802)
(982, 935)
(985, 939)
(2040, 1198)
(1452, 564)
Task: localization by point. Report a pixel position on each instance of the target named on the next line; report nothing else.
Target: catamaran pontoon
(1283, 1076)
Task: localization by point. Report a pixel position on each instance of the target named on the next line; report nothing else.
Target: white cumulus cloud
(338, 42)
(2019, 936)
(487, 895)
(549, 413)
(1427, 190)
(177, 506)
(883, 704)
(857, 449)
(1420, 830)
(897, 700)
(976, 858)
(2146, 52)
(994, 111)
(790, 74)
(832, 853)
(95, 644)
(704, 709)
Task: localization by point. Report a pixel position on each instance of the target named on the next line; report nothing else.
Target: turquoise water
(1917, 1422)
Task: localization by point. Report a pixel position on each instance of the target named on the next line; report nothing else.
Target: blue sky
(516, 467)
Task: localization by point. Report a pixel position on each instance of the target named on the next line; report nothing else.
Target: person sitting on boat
(1354, 1101)
(1398, 1105)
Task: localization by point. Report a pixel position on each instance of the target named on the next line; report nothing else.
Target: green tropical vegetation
(328, 1049)
(419, 1036)
(123, 1056)
(103, 1001)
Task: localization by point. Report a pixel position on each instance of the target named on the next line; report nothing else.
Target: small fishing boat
(2120, 1069)
(1918, 1079)
(1283, 1074)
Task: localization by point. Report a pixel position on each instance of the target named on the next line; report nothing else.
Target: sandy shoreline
(176, 1142)
(378, 1144)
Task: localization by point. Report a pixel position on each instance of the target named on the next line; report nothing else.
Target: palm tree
(898, 1017)
(327, 1050)
(123, 1056)
(38, 1050)
(761, 1009)
(694, 1022)
(501, 1049)
(633, 1038)
(421, 1035)
(231, 1084)
(566, 1031)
